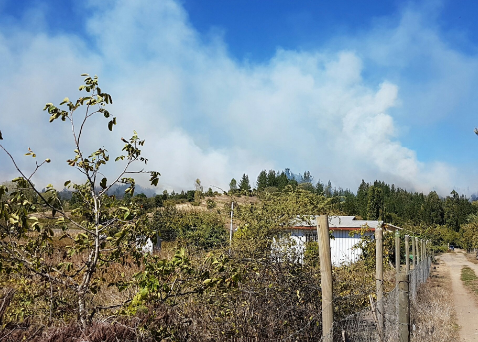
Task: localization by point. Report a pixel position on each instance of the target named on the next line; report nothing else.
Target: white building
(346, 231)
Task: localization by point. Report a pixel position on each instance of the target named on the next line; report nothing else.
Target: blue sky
(349, 90)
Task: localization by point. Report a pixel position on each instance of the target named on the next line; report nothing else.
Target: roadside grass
(471, 257)
(470, 279)
(433, 316)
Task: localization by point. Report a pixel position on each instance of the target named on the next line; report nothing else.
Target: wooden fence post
(430, 256)
(423, 249)
(404, 308)
(432, 251)
(422, 259)
(157, 245)
(407, 255)
(379, 281)
(397, 253)
(418, 249)
(414, 252)
(325, 277)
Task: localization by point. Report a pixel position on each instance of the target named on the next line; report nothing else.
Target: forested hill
(376, 200)
(398, 206)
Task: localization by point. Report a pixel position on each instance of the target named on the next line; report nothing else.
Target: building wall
(289, 248)
(341, 247)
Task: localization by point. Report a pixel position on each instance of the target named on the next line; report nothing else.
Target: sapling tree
(97, 232)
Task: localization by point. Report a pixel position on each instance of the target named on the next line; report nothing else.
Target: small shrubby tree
(197, 229)
(97, 233)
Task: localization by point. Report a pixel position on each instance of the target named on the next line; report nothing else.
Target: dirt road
(465, 305)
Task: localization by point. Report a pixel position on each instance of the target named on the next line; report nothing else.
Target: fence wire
(363, 326)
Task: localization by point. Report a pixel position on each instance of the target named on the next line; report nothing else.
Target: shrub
(210, 203)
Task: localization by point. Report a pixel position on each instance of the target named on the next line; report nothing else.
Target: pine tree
(349, 204)
(362, 199)
(233, 185)
(319, 188)
(375, 203)
(262, 181)
(307, 178)
(328, 190)
(433, 209)
(282, 181)
(271, 178)
(244, 183)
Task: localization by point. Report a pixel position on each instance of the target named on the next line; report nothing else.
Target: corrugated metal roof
(336, 222)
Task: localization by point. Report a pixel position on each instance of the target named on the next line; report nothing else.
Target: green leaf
(85, 75)
(154, 178)
(36, 226)
(47, 160)
(65, 100)
(103, 183)
(67, 183)
(1, 137)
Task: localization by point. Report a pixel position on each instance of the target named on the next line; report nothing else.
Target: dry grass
(471, 257)
(470, 280)
(220, 200)
(433, 317)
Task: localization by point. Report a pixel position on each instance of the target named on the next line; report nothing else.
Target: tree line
(373, 201)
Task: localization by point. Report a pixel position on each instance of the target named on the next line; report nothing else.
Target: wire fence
(364, 326)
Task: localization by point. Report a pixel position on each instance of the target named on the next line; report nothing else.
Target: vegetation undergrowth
(83, 268)
(470, 279)
(433, 317)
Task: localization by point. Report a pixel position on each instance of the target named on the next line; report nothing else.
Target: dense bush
(201, 229)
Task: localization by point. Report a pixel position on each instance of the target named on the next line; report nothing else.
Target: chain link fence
(363, 326)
